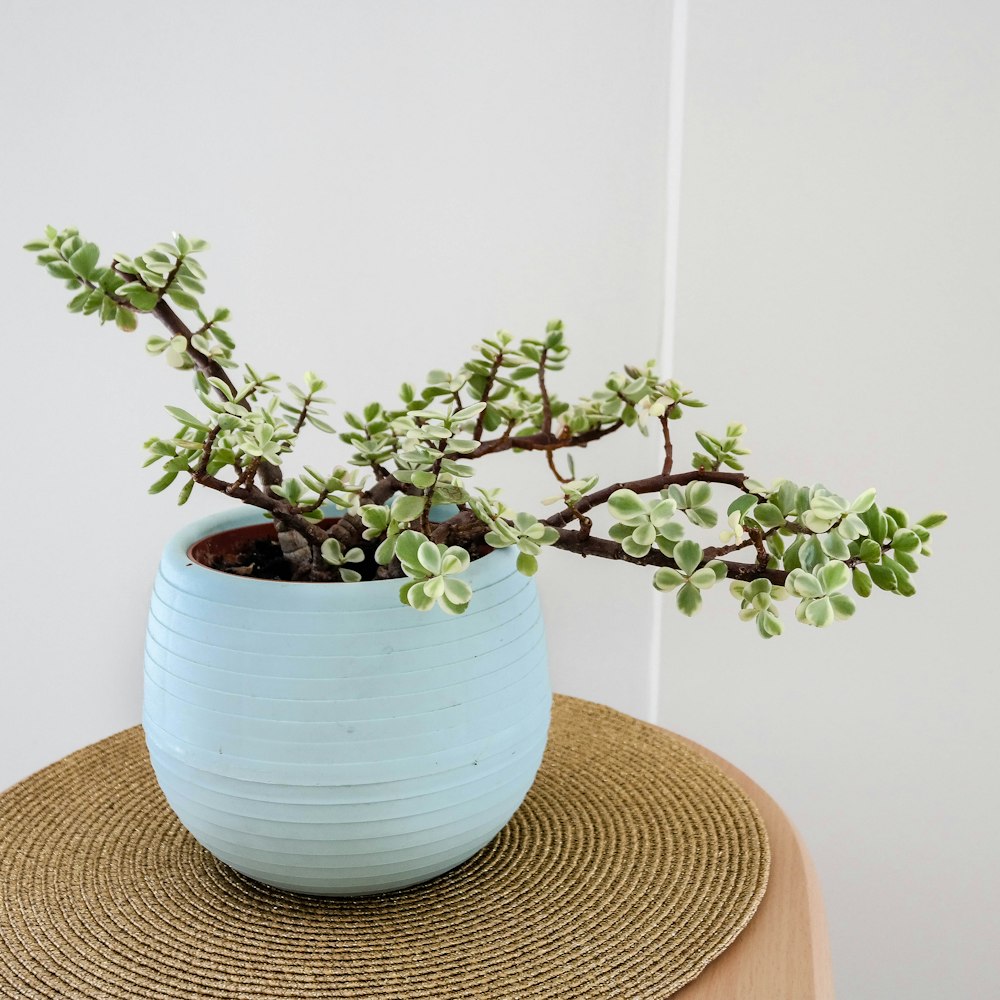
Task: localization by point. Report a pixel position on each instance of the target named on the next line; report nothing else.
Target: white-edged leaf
(667, 579)
(687, 555)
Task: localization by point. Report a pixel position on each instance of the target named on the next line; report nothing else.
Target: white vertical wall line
(676, 51)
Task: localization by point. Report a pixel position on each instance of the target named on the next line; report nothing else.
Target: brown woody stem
(668, 448)
(651, 485)
(605, 548)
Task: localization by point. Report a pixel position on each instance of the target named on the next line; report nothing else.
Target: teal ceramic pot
(326, 739)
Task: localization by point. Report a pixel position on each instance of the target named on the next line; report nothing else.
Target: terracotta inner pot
(228, 546)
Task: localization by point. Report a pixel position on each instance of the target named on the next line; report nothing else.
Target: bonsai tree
(410, 460)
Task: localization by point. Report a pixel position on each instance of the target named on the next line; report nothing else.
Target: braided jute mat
(631, 865)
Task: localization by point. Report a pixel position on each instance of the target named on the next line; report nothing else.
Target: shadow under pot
(324, 738)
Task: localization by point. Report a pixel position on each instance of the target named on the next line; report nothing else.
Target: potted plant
(346, 686)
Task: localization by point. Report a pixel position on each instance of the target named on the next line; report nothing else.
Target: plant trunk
(296, 549)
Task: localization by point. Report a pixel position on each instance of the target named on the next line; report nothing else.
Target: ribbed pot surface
(326, 739)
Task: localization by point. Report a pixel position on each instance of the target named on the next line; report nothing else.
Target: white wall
(839, 292)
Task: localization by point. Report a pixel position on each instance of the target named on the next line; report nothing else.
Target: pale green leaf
(704, 578)
(819, 612)
(688, 599)
(406, 508)
(667, 579)
(626, 505)
(863, 502)
(843, 606)
(429, 556)
(833, 576)
(687, 555)
(407, 546)
(527, 564)
(417, 597)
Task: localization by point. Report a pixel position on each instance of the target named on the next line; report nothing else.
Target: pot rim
(178, 563)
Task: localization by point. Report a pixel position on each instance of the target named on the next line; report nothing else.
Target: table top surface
(620, 899)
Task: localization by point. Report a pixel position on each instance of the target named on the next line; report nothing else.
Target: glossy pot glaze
(326, 739)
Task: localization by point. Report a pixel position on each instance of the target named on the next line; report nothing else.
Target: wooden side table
(784, 954)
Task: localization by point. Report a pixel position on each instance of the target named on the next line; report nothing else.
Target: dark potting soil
(261, 559)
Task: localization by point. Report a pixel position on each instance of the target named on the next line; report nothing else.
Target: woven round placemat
(631, 865)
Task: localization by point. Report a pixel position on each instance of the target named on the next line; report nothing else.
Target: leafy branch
(404, 505)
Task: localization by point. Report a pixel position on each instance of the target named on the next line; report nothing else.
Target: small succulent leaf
(422, 479)
(626, 505)
(634, 548)
(407, 547)
(455, 560)
(905, 540)
(704, 578)
(768, 624)
(704, 517)
(406, 508)
(418, 598)
(375, 517)
(687, 555)
(549, 536)
(882, 577)
(804, 584)
(767, 515)
(667, 579)
(870, 551)
(527, 564)
(933, 520)
(672, 531)
(163, 482)
(698, 494)
(741, 504)
(125, 319)
(834, 576)
(812, 555)
(898, 569)
(819, 612)
(84, 260)
(332, 552)
(644, 534)
(786, 497)
(835, 546)
(450, 607)
(843, 606)
(386, 551)
(457, 591)
(898, 515)
(688, 599)
(662, 512)
(863, 501)
(861, 582)
(429, 556)
(790, 559)
(827, 507)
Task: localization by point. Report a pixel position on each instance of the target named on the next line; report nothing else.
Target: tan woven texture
(631, 865)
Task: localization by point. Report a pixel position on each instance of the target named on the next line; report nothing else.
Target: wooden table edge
(784, 953)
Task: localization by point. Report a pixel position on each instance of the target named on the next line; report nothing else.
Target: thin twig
(668, 448)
